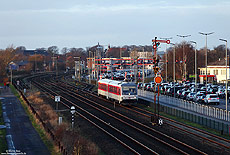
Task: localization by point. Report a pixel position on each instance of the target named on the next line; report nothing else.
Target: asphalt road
(21, 135)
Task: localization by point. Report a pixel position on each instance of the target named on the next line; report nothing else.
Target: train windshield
(129, 90)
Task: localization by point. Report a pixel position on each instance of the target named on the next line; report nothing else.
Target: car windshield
(129, 90)
(213, 96)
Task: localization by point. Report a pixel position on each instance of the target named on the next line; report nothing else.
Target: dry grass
(71, 140)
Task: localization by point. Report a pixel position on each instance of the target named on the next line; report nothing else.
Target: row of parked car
(189, 92)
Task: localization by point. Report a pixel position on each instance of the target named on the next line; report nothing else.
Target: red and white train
(123, 92)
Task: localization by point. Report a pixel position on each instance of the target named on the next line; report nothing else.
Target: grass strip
(3, 143)
(37, 127)
(187, 122)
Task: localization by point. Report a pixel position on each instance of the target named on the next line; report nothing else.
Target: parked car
(211, 98)
(139, 85)
(195, 89)
(184, 94)
(148, 87)
(190, 96)
(198, 97)
(220, 93)
(201, 98)
(178, 93)
(201, 92)
(145, 85)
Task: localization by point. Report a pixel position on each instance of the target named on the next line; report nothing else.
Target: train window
(129, 90)
(102, 86)
(118, 91)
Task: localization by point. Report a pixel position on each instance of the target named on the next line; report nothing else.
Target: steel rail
(133, 150)
(185, 145)
(210, 140)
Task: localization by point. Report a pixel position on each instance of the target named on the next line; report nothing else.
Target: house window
(216, 72)
(223, 72)
(201, 72)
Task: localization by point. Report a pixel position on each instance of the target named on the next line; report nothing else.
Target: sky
(84, 23)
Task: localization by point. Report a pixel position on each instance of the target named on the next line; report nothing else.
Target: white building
(216, 70)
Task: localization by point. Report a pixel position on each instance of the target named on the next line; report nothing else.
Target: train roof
(116, 83)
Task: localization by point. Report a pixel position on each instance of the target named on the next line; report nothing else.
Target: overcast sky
(82, 23)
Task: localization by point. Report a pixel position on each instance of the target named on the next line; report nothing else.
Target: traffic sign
(158, 79)
(57, 99)
(156, 69)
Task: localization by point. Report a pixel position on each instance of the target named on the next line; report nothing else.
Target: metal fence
(194, 112)
(213, 124)
(206, 110)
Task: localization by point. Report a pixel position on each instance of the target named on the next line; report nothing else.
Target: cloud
(96, 8)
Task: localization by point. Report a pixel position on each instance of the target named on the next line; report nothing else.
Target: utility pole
(206, 56)
(79, 63)
(174, 68)
(90, 67)
(195, 65)
(143, 71)
(55, 64)
(56, 67)
(35, 66)
(79, 59)
(226, 83)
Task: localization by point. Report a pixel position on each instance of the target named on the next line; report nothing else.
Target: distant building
(32, 52)
(215, 71)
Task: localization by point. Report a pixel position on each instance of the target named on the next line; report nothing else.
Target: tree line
(218, 53)
(66, 57)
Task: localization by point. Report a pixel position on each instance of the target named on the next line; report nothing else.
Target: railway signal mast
(156, 44)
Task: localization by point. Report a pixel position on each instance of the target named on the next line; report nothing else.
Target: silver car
(211, 98)
(220, 93)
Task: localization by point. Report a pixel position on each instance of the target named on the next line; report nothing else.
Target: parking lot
(214, 95)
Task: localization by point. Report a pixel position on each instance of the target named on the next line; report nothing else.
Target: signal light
(157, 44)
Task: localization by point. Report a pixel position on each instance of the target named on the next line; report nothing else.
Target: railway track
(85, 90)
(146, 131)
(124, 139)
(203, 135)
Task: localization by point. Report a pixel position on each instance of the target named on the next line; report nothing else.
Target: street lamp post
(226, 63)
(184, 56)
(166, 57)
(174, 68)
(35, 65)
(90, 67)
(79, 75)
(195, 65)
(143, 72)
(206, 56)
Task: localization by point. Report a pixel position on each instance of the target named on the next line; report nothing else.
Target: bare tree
(64, 50)
(53, 50)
